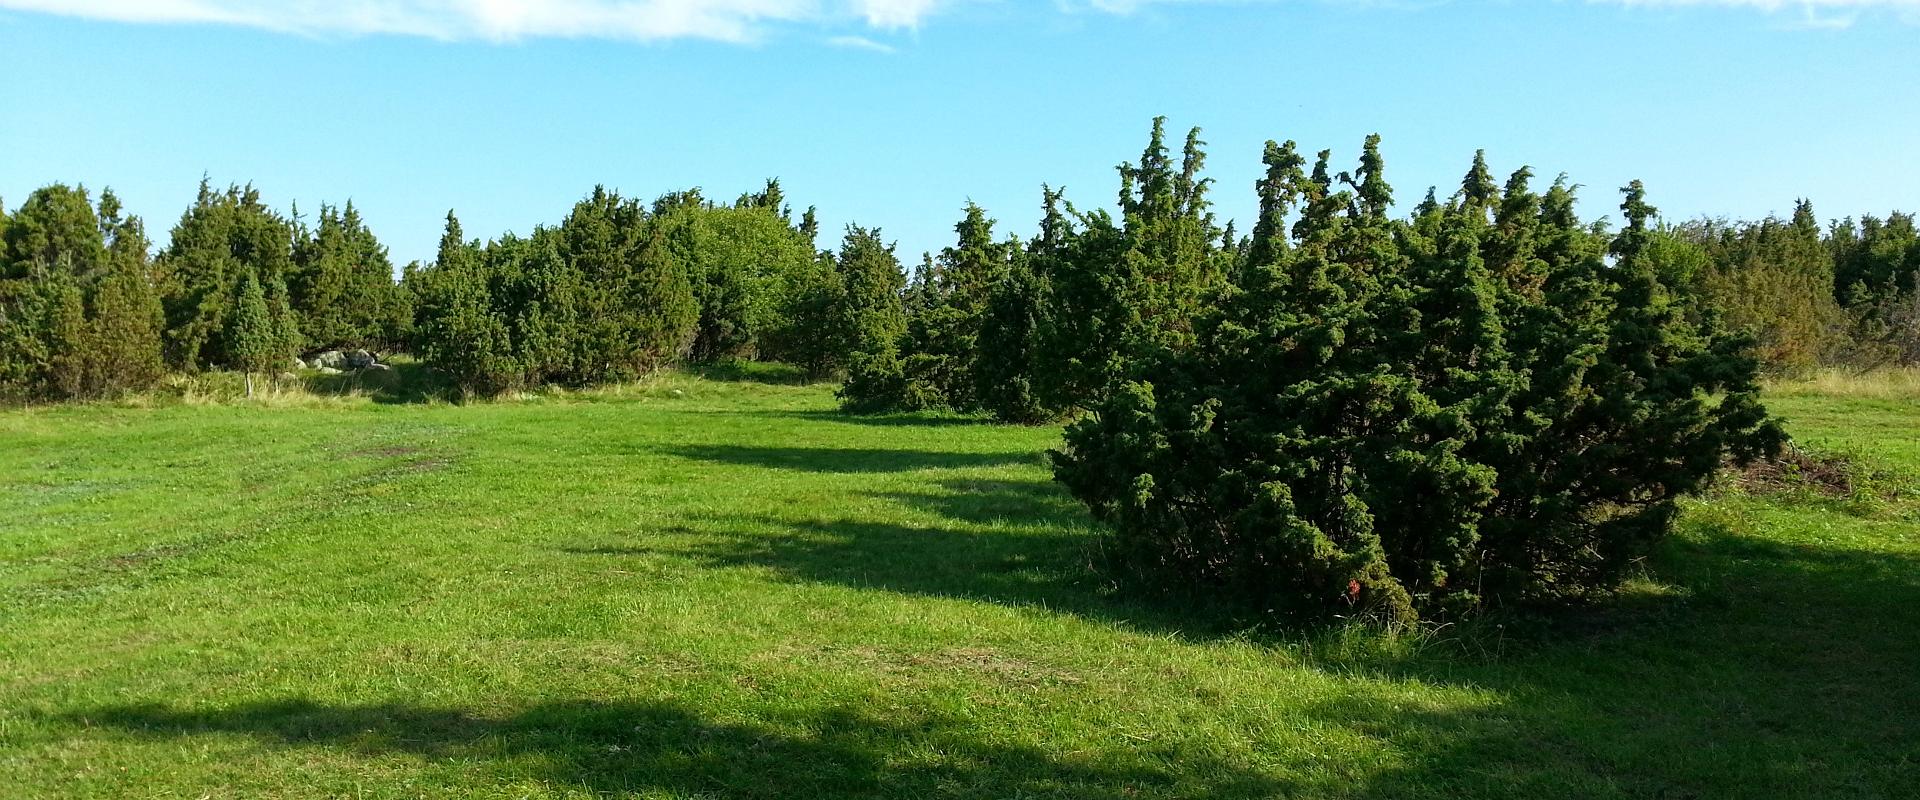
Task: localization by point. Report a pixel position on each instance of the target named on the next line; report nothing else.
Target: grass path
(724, 589)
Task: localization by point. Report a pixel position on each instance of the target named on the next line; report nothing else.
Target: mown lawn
(722, 588)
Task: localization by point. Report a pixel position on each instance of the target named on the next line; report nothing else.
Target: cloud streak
(1804, 13)
(1819, 13)
(505, 20)
(718, 20)
(861, 43)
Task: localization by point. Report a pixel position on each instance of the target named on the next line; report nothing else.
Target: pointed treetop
(1190, 189)
(1428, 204)
(1635, 206)
(1804, 222)
(1477, 189)
(1556, 208)
(1374, 194)
(1280, 190)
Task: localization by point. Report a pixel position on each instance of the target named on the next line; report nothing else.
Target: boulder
(331, 359)
(296, 364)
(328, 371)
(378, 367)
(359, 359)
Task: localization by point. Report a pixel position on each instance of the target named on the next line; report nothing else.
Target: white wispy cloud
(1799, 13)
(861, 43)
(728, 20)
(892, 14)
(505, 20)
(1807, 13)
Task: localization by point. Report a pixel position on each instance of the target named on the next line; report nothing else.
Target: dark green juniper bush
(1388, 418)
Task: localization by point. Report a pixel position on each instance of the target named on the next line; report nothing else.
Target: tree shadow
(897, 419)
(767, 372)
(402, 383)
(625, 747)
(845, 460)
(1785, 670)
(1010, 543)
(1764, 668)
(1000, 503)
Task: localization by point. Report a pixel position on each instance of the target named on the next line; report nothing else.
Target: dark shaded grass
(620, 747)
(932, 628)
(849, 459)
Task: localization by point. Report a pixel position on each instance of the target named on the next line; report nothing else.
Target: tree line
(1040, 329)
(1027, 330)
(1814, 295)
(620, 288)
(1341, 411)
(88, 310)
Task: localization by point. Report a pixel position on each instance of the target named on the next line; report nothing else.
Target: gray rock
(328, 371)
(359, 359)
(297, 364)
(376, 367)
(331, 359)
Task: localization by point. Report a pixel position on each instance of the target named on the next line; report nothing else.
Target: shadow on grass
(1777, 669)
(1001, 503)
(905, 419)
(754, 372)
(1007, 542)
(621, 748)
(1786, 670)
(402, 383)
(845, 460)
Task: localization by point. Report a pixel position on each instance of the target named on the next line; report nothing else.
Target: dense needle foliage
(1387, 418)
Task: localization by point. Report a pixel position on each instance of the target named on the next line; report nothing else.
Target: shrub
(1389, 419)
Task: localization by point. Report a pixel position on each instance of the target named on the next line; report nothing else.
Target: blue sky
(896, 112)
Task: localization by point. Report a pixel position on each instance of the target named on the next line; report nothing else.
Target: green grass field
(719, 587)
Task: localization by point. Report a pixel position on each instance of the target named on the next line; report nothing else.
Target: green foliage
(806, 297)
(78, 313)
(224, 238)
(457, 330)
(868, 323)
(342, 286)
(1877, 276)
(1009, 356)
(127, 325)
(541, 297)
(635, 292)
(751, 268)
(257, 342)
(1879, 258)
(945, 307)
(56, 226)
(1775, 280)
(1546, 408)
(607, 296)
(764, 259)
(1124, 290)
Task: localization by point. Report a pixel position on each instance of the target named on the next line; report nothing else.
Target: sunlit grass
(717, 586)
(1901, 383)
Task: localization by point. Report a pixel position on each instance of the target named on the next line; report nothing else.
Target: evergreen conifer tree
(254, 337)
(1008, 354)
(869, 321)
(225, 236)
(457, 330)
(1545, 407)
(126, 326)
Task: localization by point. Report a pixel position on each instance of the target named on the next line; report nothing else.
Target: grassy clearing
(718, 587)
